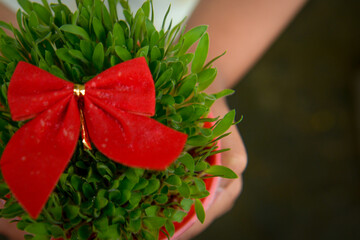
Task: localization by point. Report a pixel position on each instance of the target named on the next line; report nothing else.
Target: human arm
(245, 29)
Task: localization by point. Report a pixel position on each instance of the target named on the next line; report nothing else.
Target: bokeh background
(301, 107)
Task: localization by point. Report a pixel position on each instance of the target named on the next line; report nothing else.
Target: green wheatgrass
(95, 197)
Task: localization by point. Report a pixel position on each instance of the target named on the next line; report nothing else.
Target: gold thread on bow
(79, 91)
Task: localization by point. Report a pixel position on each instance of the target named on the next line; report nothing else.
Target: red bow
(116, 107)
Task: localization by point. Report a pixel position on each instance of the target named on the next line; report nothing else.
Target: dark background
(301, 107)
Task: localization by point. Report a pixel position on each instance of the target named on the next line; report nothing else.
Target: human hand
(9, 230)
(229, 189)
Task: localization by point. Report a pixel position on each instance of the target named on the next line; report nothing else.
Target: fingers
(10, 230)
(222, 204)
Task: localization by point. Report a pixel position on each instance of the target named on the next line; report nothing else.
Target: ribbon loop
(33, 90)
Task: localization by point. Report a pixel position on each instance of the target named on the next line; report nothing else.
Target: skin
(258, 23)
(245, 29)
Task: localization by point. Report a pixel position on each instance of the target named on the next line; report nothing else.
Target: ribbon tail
(131, 139)
(39, 152)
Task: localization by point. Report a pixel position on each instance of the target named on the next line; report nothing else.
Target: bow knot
(116, 108)
(79, 90)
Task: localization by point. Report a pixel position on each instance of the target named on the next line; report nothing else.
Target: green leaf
(223, 93)
(41, 237)
(153, 186)
(135, 199)
(101, 224)
(123, 53)
(165, 76)
(119, 215)
(170, 228)
(64, 55)
(198, 140)
(10, 53)
(191, 37)
(200, 184)
(206, 77)
(184, 190)
(173, 180)
(186, 204)
(143, 52)
(199, 210)
(214, 59)
(201, 166)
(43, 13)
(206, 132)
(111, 233)
(146, 8)
(22, 225)
(108, 23)
(103, 169)
(152, 211)
(98, 57)
(109, 210)
(33, 20)
(26, 5)
(113, 10)
(55, 70)
(56, 231)
(135, 214)
(221, 171)
(125, 196)
(141, 184)
(155, 54)
(71, 211)
(131, 175)
(151, 30)
(134, 225)
(56, 212)
(12, 211)
(188, 85)
(118, 34)
(87, 49)
(78, 55)
(79, 31)
(188, 161)
(84, 232)
(200, 54)
(162, 198)
(178, 216)
(154, 223)
(115, 195)
(224, 124)
(99, 29)
(4, 189)
(167, 100)
(138, 24)
(37, 228)
(88, 190)
(100, 202)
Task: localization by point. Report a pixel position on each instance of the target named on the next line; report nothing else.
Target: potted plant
(132, 173)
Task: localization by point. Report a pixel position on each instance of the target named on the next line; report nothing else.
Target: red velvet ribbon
(116, 105)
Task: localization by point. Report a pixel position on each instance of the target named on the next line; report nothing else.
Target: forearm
(243, 28)
(7, 15)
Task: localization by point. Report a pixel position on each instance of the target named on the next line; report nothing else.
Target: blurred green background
(301, 128)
